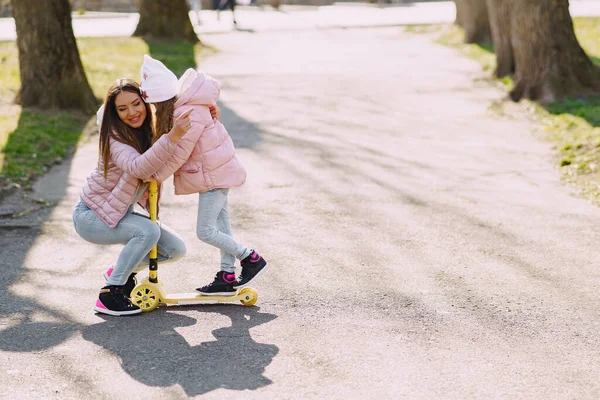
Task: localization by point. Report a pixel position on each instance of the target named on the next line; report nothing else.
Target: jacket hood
(196, 88)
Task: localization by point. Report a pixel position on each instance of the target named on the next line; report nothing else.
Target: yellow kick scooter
(150, 291)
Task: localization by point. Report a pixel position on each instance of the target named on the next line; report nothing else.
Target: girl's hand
(180, 127)
(215, 112)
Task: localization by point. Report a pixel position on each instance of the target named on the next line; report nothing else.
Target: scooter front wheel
(146, 297)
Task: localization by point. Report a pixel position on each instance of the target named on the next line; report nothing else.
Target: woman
(104, 214)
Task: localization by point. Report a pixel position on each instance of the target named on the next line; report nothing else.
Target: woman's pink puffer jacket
(109, 198)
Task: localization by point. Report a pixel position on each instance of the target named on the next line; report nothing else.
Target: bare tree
(499, 12)
(550, 63)
(460, 12)
(165, 20)
(52, 75)
(472, 16)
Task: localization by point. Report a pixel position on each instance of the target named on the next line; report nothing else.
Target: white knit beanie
(186, 80)
(157, 83)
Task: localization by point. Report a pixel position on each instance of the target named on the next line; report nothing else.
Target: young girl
(104, 214)
(204, 163)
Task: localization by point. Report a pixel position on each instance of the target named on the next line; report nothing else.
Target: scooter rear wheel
(145, 297)
(250, 296)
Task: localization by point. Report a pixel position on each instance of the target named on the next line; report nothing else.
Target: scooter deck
(197, 298)
(148, 296)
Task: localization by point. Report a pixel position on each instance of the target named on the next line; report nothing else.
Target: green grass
(573, 125)
(39, 140)
(33, 140)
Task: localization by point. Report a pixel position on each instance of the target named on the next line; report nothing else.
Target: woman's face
(131, 109)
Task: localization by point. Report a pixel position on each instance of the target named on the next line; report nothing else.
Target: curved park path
(421, 246)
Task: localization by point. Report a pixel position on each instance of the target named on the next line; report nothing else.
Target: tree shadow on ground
(152, 352)
(245, 134)
(30, 325)
(25, 331)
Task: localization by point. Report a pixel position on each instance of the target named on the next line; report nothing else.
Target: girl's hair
(164, 117)
(113, 128)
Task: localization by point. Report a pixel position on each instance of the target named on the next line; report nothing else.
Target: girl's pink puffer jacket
(109, 198)
(205, 157)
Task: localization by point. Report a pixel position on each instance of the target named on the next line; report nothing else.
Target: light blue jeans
(136, 232)
(214, 228)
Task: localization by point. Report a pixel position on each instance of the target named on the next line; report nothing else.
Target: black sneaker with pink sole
(252, 267)
(221, 286)
(112, 301)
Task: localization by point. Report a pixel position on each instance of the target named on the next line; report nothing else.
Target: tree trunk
(499, 12)
(165, 20)
(472, 16)
(460, 13)
(52, 75)
(550, 63)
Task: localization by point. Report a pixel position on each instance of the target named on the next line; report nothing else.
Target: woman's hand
(215, 112)
(180, 127)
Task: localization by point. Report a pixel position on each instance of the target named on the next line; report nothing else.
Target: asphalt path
(421, 245)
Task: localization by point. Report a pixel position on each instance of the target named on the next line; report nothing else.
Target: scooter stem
(153, 203)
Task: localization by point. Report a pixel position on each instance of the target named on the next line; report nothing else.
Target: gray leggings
(136, 232)
(214, 227)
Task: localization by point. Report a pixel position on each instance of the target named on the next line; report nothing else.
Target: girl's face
(131, 109)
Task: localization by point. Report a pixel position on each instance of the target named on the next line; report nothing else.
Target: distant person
(205, 164)
(223, 4)
(196, 6)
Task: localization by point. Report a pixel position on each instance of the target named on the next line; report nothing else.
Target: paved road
(291, 18)
(421, 246)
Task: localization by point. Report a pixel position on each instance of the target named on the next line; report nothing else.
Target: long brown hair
(113, 128)
(164, 116)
